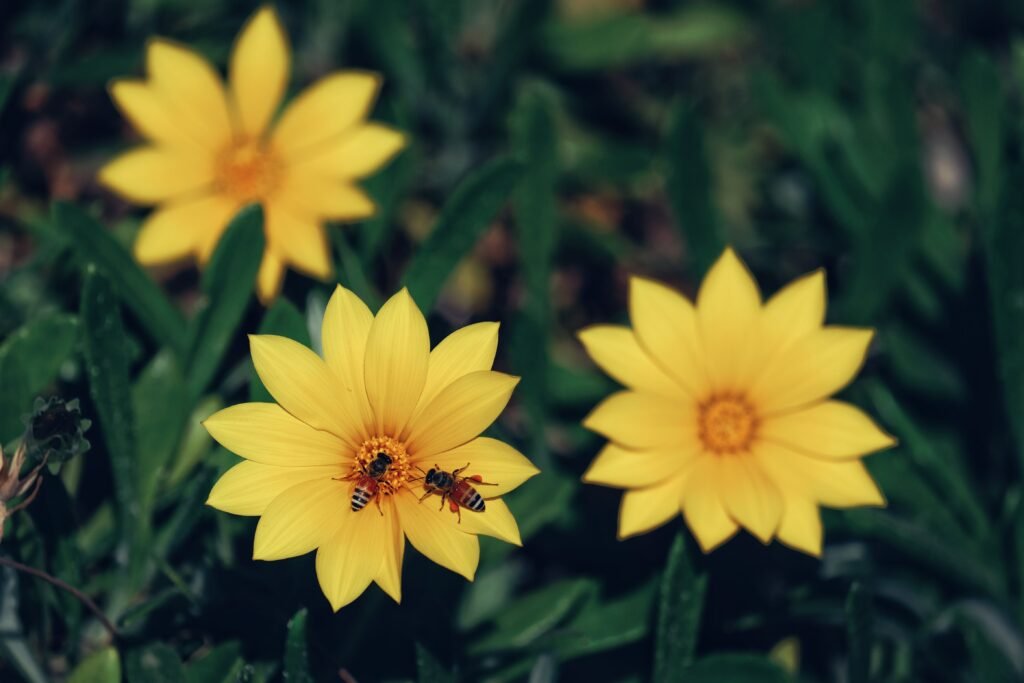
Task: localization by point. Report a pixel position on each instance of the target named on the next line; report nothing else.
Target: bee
(368, 483)
(458, 490)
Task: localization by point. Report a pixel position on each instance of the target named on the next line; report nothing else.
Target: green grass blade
(133, 286)
(464, 218)
(859, 634)
(228, 286)
(679, 614)
(296, 651)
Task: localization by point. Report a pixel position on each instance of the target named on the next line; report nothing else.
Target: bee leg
(379, 508)
(443, 496)
(425, 496)
(455, 473)
(455, 507)
(477, 479)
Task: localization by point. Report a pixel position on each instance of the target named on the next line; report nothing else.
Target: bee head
(431, 477)
(385, 457)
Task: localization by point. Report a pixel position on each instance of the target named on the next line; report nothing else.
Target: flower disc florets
(397, 474)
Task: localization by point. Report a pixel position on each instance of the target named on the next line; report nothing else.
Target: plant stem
(53, 580)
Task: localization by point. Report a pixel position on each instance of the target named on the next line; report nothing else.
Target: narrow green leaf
(465, 217)
(285, 320)
(989, 661)
(534, 614)
(196, 441)
(679, 612)
(154, 664)
(163, 322)
(735, 668)
(859, 634)
(161, 407)
(632, 38)
(14, 647)
(429, 669)
(981, 88)
(30, 358)
(296, 650)
(352, 273)
(103, 666)
(1003, 239)
(227, 285)
(688, 183)
(601, 626)
(106, 364)
(220, 665)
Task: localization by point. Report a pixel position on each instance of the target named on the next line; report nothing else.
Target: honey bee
(367, 483)
(459, 492)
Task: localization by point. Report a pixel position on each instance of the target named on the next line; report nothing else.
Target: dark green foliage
(681, 601)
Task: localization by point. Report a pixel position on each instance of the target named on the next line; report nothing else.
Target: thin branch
(63, 585)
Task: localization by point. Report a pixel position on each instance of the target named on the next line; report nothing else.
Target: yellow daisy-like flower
(378, 391)
(727, 416)
(213, 150)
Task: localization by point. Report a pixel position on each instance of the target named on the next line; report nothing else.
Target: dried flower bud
(56, 431)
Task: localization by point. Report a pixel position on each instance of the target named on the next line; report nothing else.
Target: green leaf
(154, 664)
(285, 320)
(222, 664)
(533, 615)
(106, 365)
(353, 275)
(14, 647)
(688, 182)
(465, 217)
(30, 359)
(160, 404)
(601, 626)
(103, 666)
(163, 322)
(859, 634)
(681, 602)
(429, 670)
(625, 39)
(1003, 239)
(227, 285)
(196, 441)
(296, 654)
(993, 649)
(981, 89)
(735, 668)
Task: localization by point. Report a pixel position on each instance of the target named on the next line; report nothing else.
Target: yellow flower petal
(260, 63)
(831, 429)
(270, 277)
(461, 411)
(813, 368)
(351, 557)
(749, 495)
(801, 526)
(665, 324)
(344, 333)
(397, 353)
(702, 506)
(838, 484)
(728, 308)
(615, 350)
(389, 575)
(193, 90)
(645, 509)
(642, 421)
(468, 349)
(176, 230)
(301, 518)
(797, 310)
(300, 241)
(314, 194)
(302, 383)
(356, 154)
(624, 468)
(150, 114)
(148, 175)
(495, 461)
(325, 110)
(496, 520)
(436, 534)
(248, 487)
(266, 433)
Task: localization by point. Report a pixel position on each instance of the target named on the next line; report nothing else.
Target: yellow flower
(213, 150)
(726, 416)
(379, 389)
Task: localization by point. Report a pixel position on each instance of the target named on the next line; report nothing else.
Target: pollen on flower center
(247, 170)
(726, 424)
(398, 470)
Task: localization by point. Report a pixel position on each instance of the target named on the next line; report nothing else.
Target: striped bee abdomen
(468, 497)
(364, 492)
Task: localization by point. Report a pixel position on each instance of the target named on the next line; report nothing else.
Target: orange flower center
(391, 472)
(726, 424)
(247, 170)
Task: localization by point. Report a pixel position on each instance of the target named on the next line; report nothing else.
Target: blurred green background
(557, 147)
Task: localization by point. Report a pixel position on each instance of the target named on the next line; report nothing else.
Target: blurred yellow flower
(726, 416)
(379, 390)
(213, 150)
